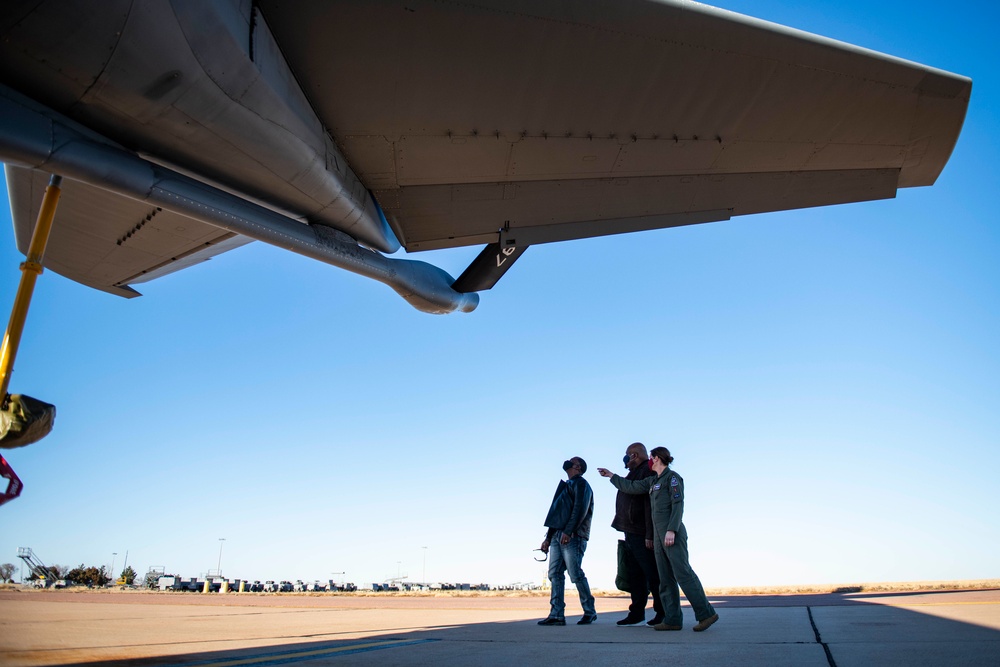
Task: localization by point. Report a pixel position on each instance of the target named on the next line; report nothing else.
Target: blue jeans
(563, 559)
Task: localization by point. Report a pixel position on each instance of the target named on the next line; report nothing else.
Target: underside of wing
(108, 241)
(548, 121)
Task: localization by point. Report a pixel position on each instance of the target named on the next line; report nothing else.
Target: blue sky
(828, 381)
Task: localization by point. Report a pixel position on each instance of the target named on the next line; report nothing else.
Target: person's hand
(564, 540)
(605, 472)
(668, 539)
(545, 546)
(649, 544)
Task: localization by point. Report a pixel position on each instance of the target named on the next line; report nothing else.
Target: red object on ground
(14, 486)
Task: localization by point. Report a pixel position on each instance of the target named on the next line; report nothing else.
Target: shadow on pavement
(838, 630)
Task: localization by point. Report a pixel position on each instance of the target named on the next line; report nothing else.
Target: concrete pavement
(53, 628)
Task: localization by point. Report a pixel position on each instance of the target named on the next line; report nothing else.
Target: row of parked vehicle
(169, 582)
(298, 587)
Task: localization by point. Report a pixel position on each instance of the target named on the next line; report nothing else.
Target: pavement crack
(819, 640)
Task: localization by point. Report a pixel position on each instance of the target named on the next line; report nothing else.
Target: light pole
(114, 555)
(424, 577)
(218, 567)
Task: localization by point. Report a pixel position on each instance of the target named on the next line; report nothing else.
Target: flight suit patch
(656, 487)
(673, 481)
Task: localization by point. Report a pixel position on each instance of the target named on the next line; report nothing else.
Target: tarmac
(822, 630)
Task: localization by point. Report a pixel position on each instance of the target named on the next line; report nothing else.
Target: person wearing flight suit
(666, 497)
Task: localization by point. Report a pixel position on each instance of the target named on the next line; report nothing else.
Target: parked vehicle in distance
(334, 587)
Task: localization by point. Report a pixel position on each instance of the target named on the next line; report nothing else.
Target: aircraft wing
(549, 121)
(339, 128)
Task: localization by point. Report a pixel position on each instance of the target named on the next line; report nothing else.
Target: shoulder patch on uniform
(677, 495)
(673, 481)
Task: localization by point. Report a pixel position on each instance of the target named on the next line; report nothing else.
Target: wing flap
(444, 216)
(108, 241)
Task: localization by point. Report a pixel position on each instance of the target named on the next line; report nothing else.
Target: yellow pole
(31, 268)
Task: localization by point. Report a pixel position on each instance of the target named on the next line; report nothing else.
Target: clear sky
(828, 381)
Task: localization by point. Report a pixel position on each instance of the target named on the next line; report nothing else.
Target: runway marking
(285, 657)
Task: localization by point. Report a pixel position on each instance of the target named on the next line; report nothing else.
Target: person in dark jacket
(634, 518)
(666, 499)
(568, 523)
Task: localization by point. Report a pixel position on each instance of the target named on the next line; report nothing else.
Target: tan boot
(664, 626)
(704, 625)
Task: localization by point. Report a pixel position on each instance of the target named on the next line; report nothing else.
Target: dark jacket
(666, 499)
(632, 514)
(572, 508)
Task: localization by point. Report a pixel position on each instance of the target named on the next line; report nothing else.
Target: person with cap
(568, 523)
(666, 497)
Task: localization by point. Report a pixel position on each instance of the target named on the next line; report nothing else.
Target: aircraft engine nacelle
(162, 77)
